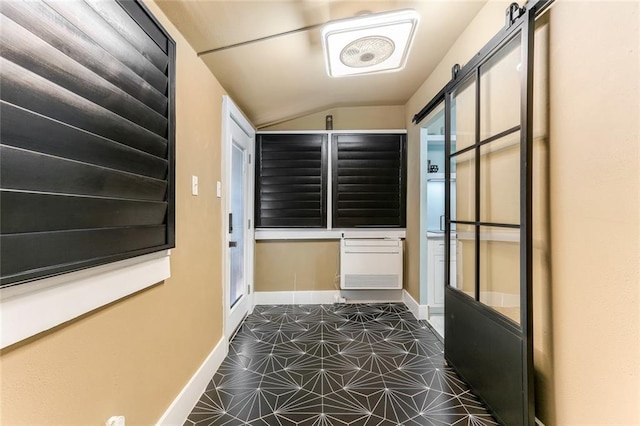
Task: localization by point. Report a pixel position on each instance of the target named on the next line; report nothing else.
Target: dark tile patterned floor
(351, 364)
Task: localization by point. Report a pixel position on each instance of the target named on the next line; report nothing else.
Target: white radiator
(370, 264)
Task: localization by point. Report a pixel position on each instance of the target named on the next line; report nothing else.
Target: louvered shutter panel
(369, 180)
(87, 135)
(291, 176)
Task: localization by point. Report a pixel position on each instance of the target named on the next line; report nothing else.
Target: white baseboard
(418, 311)
(182, 406)
(424, 312)
(325, 297)
(295, 297)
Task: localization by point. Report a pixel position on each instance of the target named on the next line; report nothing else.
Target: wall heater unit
(370, 264)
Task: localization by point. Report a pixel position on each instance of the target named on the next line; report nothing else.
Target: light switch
(219, 189)
(194, 185)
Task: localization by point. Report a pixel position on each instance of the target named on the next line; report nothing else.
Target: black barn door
(488, 311)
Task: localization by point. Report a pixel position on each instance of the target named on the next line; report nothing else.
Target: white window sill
(328, 234)
(31, 308)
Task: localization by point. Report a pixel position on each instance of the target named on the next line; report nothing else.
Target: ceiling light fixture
(368, 44)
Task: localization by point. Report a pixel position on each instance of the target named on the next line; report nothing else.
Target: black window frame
(47, 242)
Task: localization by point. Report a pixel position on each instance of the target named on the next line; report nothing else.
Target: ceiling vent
(369, 44)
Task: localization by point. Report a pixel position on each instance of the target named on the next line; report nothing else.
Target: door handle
(233, 244)
(230, 223)
(442, 222)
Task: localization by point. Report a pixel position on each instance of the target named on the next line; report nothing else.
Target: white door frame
(231, 113)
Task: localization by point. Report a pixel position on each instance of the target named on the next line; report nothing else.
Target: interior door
(239, 238)
(488, 315)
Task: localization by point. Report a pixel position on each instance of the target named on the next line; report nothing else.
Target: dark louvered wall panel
(65, 37)
(369, 180)
(32, 171)
(77, 212)
(26, 89)
(113, 13)
(148, 26)
(87, 135)
(24, 129)
(291, 182)
(50, 257)
(27, 50)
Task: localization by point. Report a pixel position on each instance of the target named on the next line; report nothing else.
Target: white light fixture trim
(367, 44)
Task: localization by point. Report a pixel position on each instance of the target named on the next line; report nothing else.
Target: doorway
(432, 224)
(238, 149)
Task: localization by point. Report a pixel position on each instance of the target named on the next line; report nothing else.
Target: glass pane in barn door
(499, 258)
(236, 225)
(487, 297)
(500, 90)
(462, 114)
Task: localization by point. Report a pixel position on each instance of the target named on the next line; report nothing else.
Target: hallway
(345, 364)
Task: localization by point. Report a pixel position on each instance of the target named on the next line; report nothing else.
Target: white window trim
(327, 234)
(31, 308)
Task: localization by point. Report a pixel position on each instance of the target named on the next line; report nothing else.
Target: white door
(239, 208)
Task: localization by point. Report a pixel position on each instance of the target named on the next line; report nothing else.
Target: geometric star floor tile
(341, 364)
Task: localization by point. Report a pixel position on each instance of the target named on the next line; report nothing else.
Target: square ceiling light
(378, 42)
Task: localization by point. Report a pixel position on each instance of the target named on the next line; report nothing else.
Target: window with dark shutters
(87, 136)
(369, 180)
(291, 175)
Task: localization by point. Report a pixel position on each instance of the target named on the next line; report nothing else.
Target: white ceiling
(284, 77)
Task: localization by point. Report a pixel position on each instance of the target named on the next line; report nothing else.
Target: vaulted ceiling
(284, 77)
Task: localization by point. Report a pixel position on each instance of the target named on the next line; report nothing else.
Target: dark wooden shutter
(87, 135)
(369, 180)
(291, 175)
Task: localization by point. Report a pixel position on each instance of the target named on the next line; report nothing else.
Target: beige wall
(134, 356)
(297, 265)
(587, 235)
(595, 213)
(348, 118)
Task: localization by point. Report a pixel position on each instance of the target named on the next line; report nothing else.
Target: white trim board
(325, 297)
(183, 404)
(295, 297)
(326, 234)
(64, 297)
(331, 296)
(421, 312)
